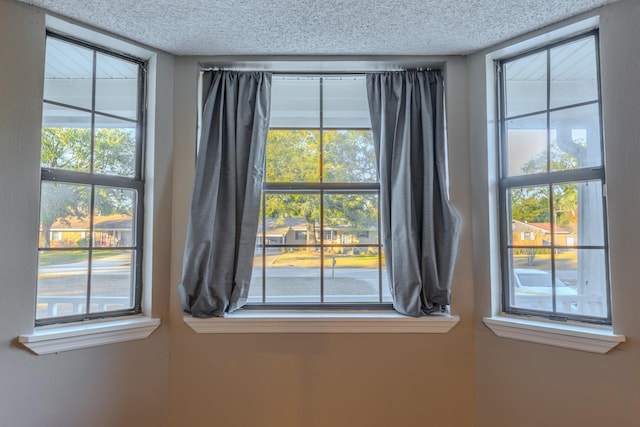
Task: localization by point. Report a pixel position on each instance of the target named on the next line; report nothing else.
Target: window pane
(293, 156)
(292, 219)
(345, 102)
(116, 86)
(255, 289)
(530, 279)
(578, 210)
(295, 102)
(584, 273)
(351, 219)
(64, 215)
(386, 290)
(351, 274)
(526, 145)
(112, 280)
(530, 219)
(565, 214)
(293, 276)
(574, 75)
(349, 156)
(526, 84)
(66, 139)
(68, 74)
(115, 147)
(575, 138)
(113, 224)
(62, 283)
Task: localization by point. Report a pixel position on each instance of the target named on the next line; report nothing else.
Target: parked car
(533, 290)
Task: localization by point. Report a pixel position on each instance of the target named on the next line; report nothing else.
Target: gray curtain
(223, 222)
(418, 224)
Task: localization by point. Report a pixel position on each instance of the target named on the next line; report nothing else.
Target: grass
(69, 257)
(312, 259)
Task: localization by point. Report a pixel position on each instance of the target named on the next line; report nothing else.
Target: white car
(533, 290)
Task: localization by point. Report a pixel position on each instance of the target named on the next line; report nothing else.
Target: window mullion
(264, 247)
(321, 160)
(557, 177)
(91, 243)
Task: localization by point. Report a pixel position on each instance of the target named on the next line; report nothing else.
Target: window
(91, 199)
(552, 183)
(320, 197)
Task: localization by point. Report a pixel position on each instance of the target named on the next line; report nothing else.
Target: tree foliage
(295, 156)
(532, 204)
(70, 149)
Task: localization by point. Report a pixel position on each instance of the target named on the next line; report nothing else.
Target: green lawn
(69, 257)
(312, 259)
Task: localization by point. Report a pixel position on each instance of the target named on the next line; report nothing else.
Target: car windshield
(537, 280)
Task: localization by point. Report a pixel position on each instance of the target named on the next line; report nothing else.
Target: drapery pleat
(419, 226)
(223, 221)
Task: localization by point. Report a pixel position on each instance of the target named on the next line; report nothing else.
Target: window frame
(321, 188)
(92, 179)
(548, 178)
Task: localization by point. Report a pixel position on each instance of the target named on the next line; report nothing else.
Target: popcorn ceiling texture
(314, 27)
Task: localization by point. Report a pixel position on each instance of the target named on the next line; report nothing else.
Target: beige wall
(116, 385)
(523, 384)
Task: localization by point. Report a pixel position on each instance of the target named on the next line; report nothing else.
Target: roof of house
(109, 222)
(542, 226)
(281, 226)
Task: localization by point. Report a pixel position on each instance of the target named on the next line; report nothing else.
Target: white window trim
(322, 321)
(97, 332)
(566, 335)
(571, 335)
(77, 335)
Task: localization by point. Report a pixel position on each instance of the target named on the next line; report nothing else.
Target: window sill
(282, 321)
(578, 337)
(72, 336)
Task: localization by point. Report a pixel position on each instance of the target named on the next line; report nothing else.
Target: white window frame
(134, 183)
(55, 338)
(566, 334)
(547, 180)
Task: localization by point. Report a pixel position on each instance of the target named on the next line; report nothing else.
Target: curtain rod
(311, 72)
(332, 65)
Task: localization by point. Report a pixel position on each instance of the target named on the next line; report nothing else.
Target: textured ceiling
(314, 27)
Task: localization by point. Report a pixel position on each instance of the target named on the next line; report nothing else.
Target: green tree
(66, 148)
(70, 149)
(115, 152)
(532, 204)
(295, 156)
(349, 156)
(61, 202)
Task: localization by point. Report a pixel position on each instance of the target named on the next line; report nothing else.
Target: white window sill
(72, 336)
(594, 339)
(281, 321)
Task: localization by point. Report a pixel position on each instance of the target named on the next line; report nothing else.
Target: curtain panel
(223, 221)
(419, 226)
